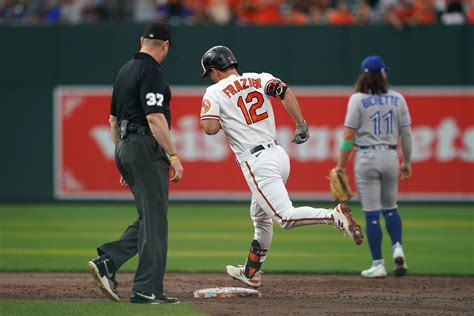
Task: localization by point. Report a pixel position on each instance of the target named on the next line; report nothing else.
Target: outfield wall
(443, 155)
(36, 60)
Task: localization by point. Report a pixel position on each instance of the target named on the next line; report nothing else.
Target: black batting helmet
(219, 57)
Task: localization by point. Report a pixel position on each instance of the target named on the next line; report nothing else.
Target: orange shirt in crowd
(403, 13)
(340, 17)
(258, 11)
(296, 18)
(424, 11)
(469, 6)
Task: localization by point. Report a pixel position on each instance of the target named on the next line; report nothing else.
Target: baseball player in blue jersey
(376, 118)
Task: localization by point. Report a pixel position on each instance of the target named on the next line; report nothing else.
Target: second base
(226, 292)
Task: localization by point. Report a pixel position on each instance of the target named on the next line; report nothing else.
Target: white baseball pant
(266, 173)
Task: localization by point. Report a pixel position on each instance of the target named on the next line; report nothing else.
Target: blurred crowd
(399, 13)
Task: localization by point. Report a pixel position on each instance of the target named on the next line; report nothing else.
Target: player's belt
(379, 147)
(258, 148)
(246, 155)
(138, 129)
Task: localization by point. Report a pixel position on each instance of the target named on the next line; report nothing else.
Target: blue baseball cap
(373, 63)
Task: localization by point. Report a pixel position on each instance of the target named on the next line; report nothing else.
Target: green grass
(60, 308)
(438, 239)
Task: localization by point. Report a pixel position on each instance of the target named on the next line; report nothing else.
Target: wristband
(172, 157)
(346, 145)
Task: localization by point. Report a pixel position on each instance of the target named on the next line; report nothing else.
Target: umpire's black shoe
(162, 298)
(142, 298)
(103, 271)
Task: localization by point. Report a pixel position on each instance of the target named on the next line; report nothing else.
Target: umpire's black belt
(378, 147)
(138, 129)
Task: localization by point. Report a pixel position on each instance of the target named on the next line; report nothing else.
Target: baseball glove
(339, 185)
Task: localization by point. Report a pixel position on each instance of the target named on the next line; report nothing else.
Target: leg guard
(255, 259)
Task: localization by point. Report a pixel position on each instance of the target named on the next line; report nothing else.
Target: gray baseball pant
(376, 174)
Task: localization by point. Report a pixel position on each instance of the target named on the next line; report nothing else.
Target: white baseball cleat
(400, 264)
(237, 273)
(377, 270)
(344, 221)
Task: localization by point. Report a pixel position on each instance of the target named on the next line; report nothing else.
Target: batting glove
(301, 134)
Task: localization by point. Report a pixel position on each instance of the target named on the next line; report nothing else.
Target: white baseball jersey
(377, 118)
(243, 108)
(245, 113)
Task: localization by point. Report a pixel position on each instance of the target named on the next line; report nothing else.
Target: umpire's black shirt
(140, 88)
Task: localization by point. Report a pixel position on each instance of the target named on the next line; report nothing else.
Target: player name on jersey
(242, 84)
(380, 100)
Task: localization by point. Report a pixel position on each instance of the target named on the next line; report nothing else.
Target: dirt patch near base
(282, 293)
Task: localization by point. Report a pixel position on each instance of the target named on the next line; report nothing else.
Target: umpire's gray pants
(376, 174)
(145, 167)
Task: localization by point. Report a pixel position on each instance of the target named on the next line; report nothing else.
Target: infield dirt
(283, 294)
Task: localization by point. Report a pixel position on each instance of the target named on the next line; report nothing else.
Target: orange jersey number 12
(256, 100)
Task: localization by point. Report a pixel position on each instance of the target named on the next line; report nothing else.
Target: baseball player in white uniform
(240, 105)
(376, 118)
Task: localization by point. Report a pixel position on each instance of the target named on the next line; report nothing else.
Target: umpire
(140, 121)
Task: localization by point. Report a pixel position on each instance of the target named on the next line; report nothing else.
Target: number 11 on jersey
(387, 118)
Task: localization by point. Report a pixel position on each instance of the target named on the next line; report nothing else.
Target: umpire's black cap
(158, 30)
